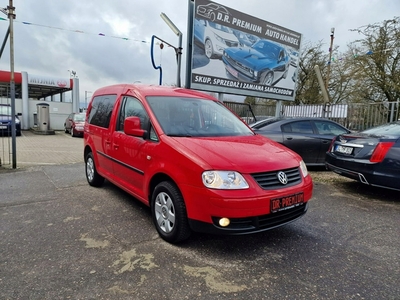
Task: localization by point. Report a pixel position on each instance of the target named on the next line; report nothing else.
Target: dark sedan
(265, 62)
(6, 120)
(371, 156)
(309, 137)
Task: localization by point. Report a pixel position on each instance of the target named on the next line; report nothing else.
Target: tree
(376, 61)
(308, 90)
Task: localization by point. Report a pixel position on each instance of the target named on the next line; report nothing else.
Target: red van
(192, 161)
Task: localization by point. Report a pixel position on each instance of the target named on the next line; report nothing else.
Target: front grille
(240, 67)
(270, 181)
(264, 222)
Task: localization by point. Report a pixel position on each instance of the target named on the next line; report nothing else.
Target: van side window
(101, 110)
(132, 107)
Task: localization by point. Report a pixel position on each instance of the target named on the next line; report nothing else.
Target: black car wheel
(169, 213)
(267, 78)
(65, 128)
(93, 178)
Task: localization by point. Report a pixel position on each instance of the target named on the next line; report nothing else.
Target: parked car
(371, 156)
(309, 137)
(294, 57)
(214, 37)
(265, 62)
(6, 120)
(192, 161)
(245, 39)
(74, 124)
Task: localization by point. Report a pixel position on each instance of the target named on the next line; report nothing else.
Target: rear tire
(169, 213)
(93, 178)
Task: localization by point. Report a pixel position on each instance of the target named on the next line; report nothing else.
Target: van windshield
(195, 117)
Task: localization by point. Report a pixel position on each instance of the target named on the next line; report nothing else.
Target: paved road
(61, 239)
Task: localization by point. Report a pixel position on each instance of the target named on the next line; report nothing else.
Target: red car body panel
(132, 163)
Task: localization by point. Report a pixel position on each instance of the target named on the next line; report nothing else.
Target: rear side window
(298, 127)
(101, 109)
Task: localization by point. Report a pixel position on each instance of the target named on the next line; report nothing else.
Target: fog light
(224, 222)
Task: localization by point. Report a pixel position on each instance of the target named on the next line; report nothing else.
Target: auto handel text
(240, 85)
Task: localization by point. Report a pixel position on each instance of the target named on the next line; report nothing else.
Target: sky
(108, 42)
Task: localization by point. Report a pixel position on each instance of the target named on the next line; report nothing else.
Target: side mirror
(132, 126)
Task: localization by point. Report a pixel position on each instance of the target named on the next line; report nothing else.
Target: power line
(79, 31)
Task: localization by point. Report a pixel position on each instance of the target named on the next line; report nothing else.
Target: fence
(354, 116)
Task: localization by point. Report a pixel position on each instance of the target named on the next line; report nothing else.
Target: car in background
(294, 57)
(265, 62)
(245, 39)
(214, 37)
(194, 163)
(6, 120)
(74, 124)
(309, 137)
(371, 156)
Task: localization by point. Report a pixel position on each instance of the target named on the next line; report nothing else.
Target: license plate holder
(3, 126)
(343, 149)
(286, 202)
(232, 71)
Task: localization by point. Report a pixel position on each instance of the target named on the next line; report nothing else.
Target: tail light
(331, 145)
(380, 151)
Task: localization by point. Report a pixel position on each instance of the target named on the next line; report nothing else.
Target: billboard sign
(235, 53)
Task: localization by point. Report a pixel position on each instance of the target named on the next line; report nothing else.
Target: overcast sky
(51, 45)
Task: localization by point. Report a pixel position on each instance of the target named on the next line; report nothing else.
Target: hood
(250, 55)
(245, 154)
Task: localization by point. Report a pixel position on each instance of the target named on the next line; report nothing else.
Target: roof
(150, 90)
(34, 91)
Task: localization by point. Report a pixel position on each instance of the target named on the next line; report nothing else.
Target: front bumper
(248, 210)
(248, 225)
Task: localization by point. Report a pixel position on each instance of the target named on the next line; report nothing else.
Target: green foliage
(368, 71)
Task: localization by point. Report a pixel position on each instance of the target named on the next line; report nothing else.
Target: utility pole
(86, 92)
(11, 17)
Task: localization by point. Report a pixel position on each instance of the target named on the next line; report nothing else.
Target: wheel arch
(155, 180)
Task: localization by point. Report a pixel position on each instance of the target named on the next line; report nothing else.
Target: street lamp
(72, 74)
(330, 58)
(179, 49)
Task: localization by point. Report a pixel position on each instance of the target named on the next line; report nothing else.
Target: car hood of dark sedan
(250, 55)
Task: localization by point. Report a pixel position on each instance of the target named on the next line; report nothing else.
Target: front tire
(169, 213)
(208, 49)
(93, 178)
(267, 78)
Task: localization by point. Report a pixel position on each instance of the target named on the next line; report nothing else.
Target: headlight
(224, 180)
(219, 38)
(303, 168)
(17, 121)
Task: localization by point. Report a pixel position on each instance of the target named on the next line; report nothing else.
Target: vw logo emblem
(282, 177)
